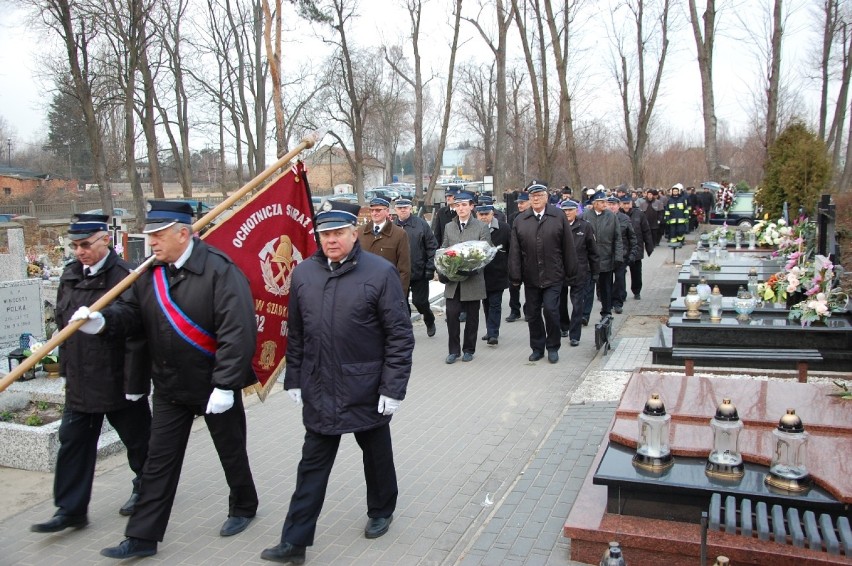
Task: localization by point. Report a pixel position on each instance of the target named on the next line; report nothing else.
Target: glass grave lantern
(694, 268)
(652, 446)
(752, 240)
(704, 290)
(738, 239)
(788, 470)
(744, 304)
(715, 305)
(725, 460)
(723, 241)
(752, 281)
(693, 303)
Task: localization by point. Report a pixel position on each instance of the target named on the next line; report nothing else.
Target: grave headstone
(13, 260)
(21, 310)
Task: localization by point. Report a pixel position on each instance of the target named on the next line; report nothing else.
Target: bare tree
(504, 19)
(448, 100)
(639, 97)
(773, 78)
(272, 40)
(704, 42)
(388, 117)
(476, 109)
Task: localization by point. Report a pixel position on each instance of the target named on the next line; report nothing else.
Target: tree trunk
(704, 45)
(774, 78)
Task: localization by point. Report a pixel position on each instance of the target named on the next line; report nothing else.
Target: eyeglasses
(83, 245)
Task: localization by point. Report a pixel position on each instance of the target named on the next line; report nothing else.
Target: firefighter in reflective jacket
(676, 215)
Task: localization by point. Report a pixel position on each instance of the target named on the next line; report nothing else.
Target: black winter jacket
(630, 242)
(93, 365)
(643, 232)
(215, 295)
(608, 237)
(588, 263)
(349, 341)
(497, 272)
(542, 254)
(423, 245)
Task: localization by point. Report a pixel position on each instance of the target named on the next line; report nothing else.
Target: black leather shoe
(513, 317)
(585, 322)
(377, 526)
(430, 330)
(60, 523)
(484, 337)
(618, 310)
(575, 342)
(129, 506)
(234, 526)
(637, 296)
(131, 547)
(536, 356)
(564, 333)
(493, 341)
(451, 359)
(467, 357)
(285, 553)
(553, 356)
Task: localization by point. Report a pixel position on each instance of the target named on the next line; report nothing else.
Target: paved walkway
(490, 455)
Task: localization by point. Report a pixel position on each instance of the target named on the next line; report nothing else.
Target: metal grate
(784, 526)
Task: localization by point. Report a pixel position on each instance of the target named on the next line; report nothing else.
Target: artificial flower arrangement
(769, 233)
(722, 231)
(51, 358)
(774, 289)
(460, 261)
(822, 297)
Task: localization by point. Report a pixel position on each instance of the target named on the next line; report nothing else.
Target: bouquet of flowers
(460, 261)
(819, 307)
(771, 233)
(725, 198)
(774, 290)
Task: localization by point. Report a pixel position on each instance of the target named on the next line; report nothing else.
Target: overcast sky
(23, 99)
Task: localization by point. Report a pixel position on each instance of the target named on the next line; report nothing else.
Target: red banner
(267, 237)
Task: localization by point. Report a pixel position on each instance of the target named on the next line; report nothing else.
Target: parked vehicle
(387, 193)
(116, 211)
(742, 212)
(345, 197)
(201, 208)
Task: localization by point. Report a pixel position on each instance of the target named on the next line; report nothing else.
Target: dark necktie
(538, 217)
(173, 269)
(375, 230)
(462, 225)
(335, 265)
(86, 272)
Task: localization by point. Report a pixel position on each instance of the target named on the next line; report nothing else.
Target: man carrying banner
(93, 367)
(195, 307)
(349, 354)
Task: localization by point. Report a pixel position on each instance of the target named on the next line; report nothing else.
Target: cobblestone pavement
(490, 455)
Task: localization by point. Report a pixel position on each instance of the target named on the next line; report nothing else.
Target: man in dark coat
(652, 207)
(384, 238)
(496, 273)
(422, 246)
(610, 252)
(522, 202)
(196, 310)
(588, 268)
(93, 367)
(542, 256)
(444, 215)
(645, 244)
(707, 202)
(631, 251)
(348, 361)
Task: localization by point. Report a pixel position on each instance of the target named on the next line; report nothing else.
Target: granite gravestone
(20, 310)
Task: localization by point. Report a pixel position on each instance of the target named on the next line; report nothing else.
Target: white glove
(220, 401)
(295, 396)
(94, 320)
(388, 406)
(133, 396)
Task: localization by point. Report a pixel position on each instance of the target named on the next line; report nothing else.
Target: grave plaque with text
(20, 310)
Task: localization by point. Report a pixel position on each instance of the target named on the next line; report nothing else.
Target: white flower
(782, 222)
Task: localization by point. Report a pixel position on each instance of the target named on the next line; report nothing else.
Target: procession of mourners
(179, 342)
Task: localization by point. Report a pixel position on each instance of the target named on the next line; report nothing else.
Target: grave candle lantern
(725, 460)
(704, 290)
(752, 281)
(744, 304)
(694, 268)
(715, 305)
(752, 240)
(652, 446)
(693, 303)
(738, 239)
(788, 470)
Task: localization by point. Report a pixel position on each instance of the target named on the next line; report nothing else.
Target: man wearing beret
(542, 256)
(610, 252)
(462, 297)
(349, 352)
(384, 238)
(196, 310)
(93, 367)
(422, 244)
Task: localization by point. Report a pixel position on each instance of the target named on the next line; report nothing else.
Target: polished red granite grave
(692, 402)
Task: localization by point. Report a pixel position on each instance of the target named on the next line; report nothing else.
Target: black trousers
(604, 289)
(515, 299)
(657, 235)
(636, 276)
(573, 322)
(454, 307)
(170, 428)
(492, 308)
(318, 454)
(544, 332)
(78, 452)
(619, 286)
(420, 300)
